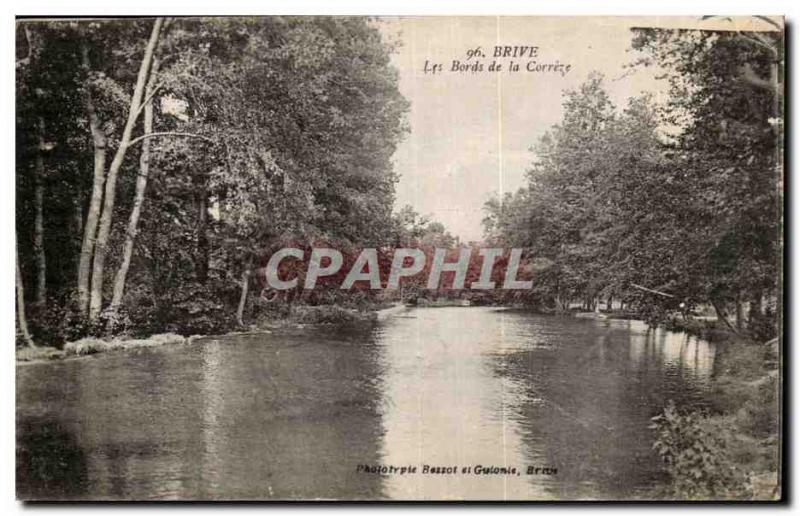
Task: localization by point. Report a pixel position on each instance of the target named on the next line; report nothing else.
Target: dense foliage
(682, 197)
(693, 448)
(142, 199)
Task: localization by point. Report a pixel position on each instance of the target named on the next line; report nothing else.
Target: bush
(87, 346)
(45, 323)
(111, 322)
(694, 450)
(197, 308)
(72, 326)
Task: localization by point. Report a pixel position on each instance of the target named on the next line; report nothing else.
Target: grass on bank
(92, 345)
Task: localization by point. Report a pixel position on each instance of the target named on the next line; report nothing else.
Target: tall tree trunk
(739, 313)
(107, 215)
(38, 225)
(78, 213)
(777, 93)
(243, 298)
(721, 314)
(138, 201)
(99, 141)
(755, 308)
(202, 254)
(23, 323)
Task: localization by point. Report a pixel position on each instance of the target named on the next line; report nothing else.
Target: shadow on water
(251, 417)
(50, 464)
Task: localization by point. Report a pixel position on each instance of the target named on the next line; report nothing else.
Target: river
(292, 415)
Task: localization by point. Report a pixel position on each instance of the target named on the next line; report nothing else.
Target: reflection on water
(293, 415)
(49, 462)
(511, 389)
(244, 418)
(449, 407)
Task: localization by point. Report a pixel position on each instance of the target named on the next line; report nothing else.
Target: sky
(471, 133)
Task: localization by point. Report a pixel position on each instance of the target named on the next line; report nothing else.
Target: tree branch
(168, 133)
(148, 98)
(651, 290)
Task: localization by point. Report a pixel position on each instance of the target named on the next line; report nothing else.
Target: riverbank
(732, 449)
(301, 317)
(91, 346)
(297, 317)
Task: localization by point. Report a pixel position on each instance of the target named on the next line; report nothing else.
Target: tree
(682, 198)
(141, 186)
(106, 216)
(727, 86)
(255, 130)
(602, 208)
(21, 319)
(100, 142)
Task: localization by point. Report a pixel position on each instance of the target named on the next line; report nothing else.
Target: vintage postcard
(443, 258)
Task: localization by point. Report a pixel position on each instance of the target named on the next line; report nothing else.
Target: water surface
(293, 414)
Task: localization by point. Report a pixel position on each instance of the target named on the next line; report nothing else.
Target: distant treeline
(681, 196)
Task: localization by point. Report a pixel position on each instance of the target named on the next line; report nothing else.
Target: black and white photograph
(399, 258)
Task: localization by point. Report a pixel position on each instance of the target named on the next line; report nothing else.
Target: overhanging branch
(652, 291)
(148, 99)
(169, 133)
